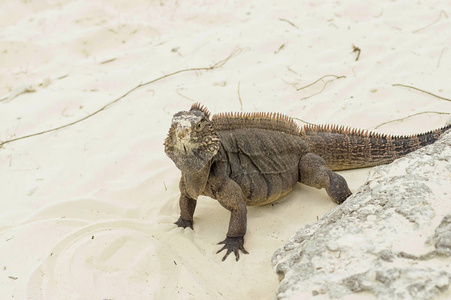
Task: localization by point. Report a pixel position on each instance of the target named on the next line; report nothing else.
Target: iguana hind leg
(314, 172)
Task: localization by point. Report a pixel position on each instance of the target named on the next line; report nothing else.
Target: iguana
(245, 159)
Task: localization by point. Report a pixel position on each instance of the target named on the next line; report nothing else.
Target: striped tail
(345, 148)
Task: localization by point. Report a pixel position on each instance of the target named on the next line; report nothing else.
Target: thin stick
(289, 22)
(324, 87)
(293, 84)
(304, 121)
(321, 78)
(291, 70)
(186, 97)
(108, 60)
(218, 64)
(239, 96)
(440, 57)
(423, 91)
(442, 12)
(280, 48)
(358, 50)
(409, 116)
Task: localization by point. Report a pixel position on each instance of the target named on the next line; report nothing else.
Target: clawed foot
(184, 223)
(233, 244)
(338, 189)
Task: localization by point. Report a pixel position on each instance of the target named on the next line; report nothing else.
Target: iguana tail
(346, 148)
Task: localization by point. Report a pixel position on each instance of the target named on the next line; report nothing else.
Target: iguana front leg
(229, 194)
(187, 207)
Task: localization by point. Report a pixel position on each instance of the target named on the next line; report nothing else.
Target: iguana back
(262, 153)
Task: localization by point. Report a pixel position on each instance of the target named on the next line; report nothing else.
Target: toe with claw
(233, 244)
(184, 223)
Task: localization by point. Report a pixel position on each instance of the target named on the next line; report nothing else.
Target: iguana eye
(199, 126)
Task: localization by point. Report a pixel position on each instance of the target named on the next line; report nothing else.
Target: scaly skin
(254, 159)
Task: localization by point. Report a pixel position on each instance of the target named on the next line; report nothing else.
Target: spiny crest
(198, 106)
(261, 120)
(328, 128)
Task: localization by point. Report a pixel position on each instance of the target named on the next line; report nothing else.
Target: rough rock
(390, 240)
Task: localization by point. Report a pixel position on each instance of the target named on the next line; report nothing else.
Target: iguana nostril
(183, 134)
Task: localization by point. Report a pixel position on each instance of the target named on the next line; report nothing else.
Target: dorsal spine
(260, 120)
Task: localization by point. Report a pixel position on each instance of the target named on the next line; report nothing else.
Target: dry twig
(289, 22)
(423, 91)
(186, 97)
(324, 87)
(280, 48)
(442, 13)
(217, 65)
(304, 121)
(239, 96)
(318, 80)
(440, 57)
(410, 116)
(358, 50)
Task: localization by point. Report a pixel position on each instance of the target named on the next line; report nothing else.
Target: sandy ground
(87, 211)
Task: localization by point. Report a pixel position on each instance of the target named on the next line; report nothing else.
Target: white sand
(87, 212)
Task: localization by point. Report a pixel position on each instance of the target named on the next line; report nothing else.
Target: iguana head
(192, 141)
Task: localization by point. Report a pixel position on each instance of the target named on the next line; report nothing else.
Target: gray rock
(442, 236)
(390, 240)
